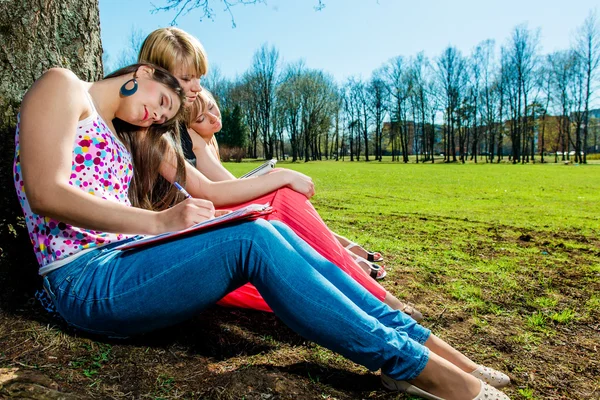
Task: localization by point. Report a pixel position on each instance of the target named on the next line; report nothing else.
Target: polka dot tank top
(101, 166)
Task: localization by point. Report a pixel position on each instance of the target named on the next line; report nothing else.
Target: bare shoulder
(58, 86)
(61, 77)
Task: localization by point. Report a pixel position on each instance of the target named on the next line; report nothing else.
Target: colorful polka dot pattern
(101, 167)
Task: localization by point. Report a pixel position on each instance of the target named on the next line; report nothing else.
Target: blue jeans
(123, 293)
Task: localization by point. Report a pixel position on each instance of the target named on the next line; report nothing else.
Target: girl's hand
(301, 183)
(185, 214)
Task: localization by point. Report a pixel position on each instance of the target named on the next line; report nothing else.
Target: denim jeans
(122, 293)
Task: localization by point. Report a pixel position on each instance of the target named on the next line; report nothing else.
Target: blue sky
(347, 37)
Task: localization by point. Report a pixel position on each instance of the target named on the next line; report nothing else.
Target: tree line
(507, 101)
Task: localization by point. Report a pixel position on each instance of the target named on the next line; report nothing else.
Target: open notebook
(249, 212)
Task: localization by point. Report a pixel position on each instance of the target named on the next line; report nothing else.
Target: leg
(126, 293)
(297, 212)
(376, 309)
(351, 288)
(357, 249)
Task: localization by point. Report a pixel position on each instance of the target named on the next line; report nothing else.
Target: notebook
(249, 212)
(262, 169)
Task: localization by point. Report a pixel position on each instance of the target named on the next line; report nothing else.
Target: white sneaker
(487, 392)
(490, 376)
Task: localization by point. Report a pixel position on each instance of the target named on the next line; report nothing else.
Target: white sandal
(376, 271)
(371, 256)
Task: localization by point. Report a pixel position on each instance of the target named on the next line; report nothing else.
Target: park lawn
(504, 261)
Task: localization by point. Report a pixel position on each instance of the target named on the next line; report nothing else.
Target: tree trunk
(34, 36)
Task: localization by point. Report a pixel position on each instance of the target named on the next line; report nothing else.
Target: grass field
(504, 261)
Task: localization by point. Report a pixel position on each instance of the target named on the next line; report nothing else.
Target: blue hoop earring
(128, 92)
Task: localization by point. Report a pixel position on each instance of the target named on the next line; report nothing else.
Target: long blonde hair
(172, 47)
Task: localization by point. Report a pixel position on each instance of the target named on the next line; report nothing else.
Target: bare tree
(289, 100)
(377, 97)
(522, 51)
(451, 76)
(264, 68)
(562, 64)
(247, 98)
(216, 83)
(129, 54)
(397, 72)
(420, 78)
(183, 7)
(545, 86)
(587, 48)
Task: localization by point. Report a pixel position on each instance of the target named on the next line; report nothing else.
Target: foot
(490, 376)
(411, 311)
(486, 392)
(375, 271)
(361, 252)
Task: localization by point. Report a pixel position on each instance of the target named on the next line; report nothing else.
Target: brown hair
(148, 189)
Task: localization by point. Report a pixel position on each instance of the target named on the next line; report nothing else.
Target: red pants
(294, 210)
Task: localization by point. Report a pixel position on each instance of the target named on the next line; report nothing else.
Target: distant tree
(451, 76)
(420, 76)
(489, 95)
(522, 51)
(587, 47)
(245, 95)
(318, 102)
(264, 69)
(217, 84)
(234, 132)
(378, 104)
(562, 64)
(362, 97)
(545, 86)
(289, 101)
(129, 54)
(397, 72)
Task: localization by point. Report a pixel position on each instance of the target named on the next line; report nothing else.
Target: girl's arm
(236, 191)
(50, 112)
(206, 162)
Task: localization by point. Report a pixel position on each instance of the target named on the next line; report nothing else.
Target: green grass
(503, 260)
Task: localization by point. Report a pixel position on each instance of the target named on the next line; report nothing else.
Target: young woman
(183, 55)
(107, 147)
(203, 121)
(206, 154)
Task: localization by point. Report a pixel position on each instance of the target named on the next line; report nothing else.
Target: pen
(182, 190)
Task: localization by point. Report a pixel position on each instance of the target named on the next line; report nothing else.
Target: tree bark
(35, 36)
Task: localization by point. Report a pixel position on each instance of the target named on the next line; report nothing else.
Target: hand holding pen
(182, 190)
(218, 213)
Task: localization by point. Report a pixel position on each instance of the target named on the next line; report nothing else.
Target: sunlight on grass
(545, 302)
(563, 317)
(537, 320)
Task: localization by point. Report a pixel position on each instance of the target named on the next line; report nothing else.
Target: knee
(260, 229)
(290, 197)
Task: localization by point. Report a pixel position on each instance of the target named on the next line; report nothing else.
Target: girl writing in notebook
(108, 142)
(184, 56)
